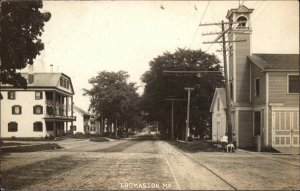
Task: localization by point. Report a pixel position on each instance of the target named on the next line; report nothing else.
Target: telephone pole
(172, 114)
(185, 72)
(188, 113)
(221, 35)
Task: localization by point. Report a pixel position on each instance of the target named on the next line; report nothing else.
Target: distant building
(264, 90)
(82, 123)
(218, 110)
(41, 109)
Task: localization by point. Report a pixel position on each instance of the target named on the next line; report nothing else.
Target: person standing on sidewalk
(224, 141)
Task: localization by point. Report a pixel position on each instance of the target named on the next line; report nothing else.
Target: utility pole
(188, 113)
(227, 87)
(185, 72)
(172, 114)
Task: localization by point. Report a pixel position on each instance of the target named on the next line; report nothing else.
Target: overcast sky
(84, 37)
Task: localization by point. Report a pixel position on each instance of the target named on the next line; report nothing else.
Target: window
(12, 127)
(38, 126)
(257, 123)
(293, 83)
(65, 83)
(38, 95)
(61, 81)
(257, 87)
(11, 95)
(37, 109)
(16, 110)
(218, 106)
(30, 78)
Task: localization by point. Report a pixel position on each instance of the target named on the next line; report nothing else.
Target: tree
(22, 24)
(158, 87)
(114, 98)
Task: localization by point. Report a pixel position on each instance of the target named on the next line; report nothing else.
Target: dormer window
(64, 83)
(242, 21)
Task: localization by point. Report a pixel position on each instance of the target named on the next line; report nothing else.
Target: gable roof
(276, 62)
(241, 9)
(81, 111)
(222, 94)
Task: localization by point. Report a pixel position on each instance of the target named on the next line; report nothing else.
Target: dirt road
(126, 164)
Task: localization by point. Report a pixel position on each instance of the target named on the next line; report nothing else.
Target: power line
(242, 2)
(261, 12)
(195, 33)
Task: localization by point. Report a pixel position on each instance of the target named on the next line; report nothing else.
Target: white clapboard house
(43, 108)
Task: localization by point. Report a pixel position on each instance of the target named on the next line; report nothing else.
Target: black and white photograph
(149, 95)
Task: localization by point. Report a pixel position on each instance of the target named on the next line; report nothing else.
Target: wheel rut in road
(189, 174)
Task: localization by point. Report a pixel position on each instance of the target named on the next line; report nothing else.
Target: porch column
(72, 110)
(67, 106)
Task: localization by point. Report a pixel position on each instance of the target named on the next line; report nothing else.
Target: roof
(279, 62)
(81, 111)
(241, 9)
(222, 94)
(46, 80)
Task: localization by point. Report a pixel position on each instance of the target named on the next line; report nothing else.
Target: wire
(254, 4)
(261, 12)
(195, 33)
(242, 3)
(208, 48)
(260, 5)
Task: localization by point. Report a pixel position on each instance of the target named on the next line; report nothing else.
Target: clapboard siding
(245, 129)
(278, 90)
(242, 68)
(256, 72)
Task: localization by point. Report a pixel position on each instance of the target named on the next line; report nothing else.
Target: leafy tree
(114, 98)
(22, 24)
(158, 87)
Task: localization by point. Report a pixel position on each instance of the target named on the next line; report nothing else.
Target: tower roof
(241, 9)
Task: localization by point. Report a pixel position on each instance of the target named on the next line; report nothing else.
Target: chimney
(51, 68)
(30, 74)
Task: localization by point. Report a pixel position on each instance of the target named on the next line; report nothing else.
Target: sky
(86, 37)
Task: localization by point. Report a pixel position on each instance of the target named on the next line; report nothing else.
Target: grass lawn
(196, 146)
(99, 139)
(11, 144)
(31, 148)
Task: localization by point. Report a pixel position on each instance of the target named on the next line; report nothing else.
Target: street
(145, 163)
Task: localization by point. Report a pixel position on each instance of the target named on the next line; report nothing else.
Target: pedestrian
(224, 141)
(230, 147)
(234, 139)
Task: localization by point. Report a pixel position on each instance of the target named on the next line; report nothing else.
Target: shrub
(13, 138)
(99, 139)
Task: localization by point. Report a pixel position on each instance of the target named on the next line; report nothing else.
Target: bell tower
(239, 75)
